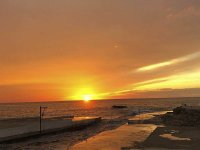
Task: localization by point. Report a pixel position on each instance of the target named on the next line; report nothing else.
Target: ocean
(102, 108)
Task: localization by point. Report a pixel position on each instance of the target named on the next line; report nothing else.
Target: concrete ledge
(50, 126)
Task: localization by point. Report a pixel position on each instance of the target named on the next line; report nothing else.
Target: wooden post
(41, 116)
(40, 119)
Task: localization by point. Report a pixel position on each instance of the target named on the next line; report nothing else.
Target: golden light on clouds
(170, 62)
(174, 82)
(155, 66)
(187, 79)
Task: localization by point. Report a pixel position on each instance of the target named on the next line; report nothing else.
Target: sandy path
(125, 136)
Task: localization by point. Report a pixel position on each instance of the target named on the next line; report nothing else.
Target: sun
(85, 94)
(87, 98)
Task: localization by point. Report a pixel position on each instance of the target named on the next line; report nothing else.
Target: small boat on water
(119, 106)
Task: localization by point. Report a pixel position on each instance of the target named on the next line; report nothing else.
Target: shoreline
(69, 138)
(150, 132)
(142, 131)
(126, 136)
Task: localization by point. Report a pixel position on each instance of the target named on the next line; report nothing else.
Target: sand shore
(180, 130)
(66, 139)
(126, 137)
(142, 134)
(144, 131)
(173, 137)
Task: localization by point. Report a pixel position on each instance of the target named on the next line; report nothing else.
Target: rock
(183, 116)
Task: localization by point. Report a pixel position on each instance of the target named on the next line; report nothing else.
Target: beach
(145, 131)
(136, 131)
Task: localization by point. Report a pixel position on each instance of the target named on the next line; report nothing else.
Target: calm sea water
(93, 108)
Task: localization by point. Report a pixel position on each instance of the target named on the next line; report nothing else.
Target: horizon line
(54, 101)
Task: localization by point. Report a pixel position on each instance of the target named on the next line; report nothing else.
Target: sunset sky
(71, 49)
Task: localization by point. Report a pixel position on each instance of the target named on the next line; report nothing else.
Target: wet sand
(173, 137)
(116, 134)
(147, 116)
(66, 139)
(144, 136)
(179, 136)
(124, 137)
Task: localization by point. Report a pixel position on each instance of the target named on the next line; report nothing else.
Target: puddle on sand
(172, 137)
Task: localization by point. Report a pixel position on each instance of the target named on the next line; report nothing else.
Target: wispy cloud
(178, 81)
(153, 81)
(184, 80)
(170, 62)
